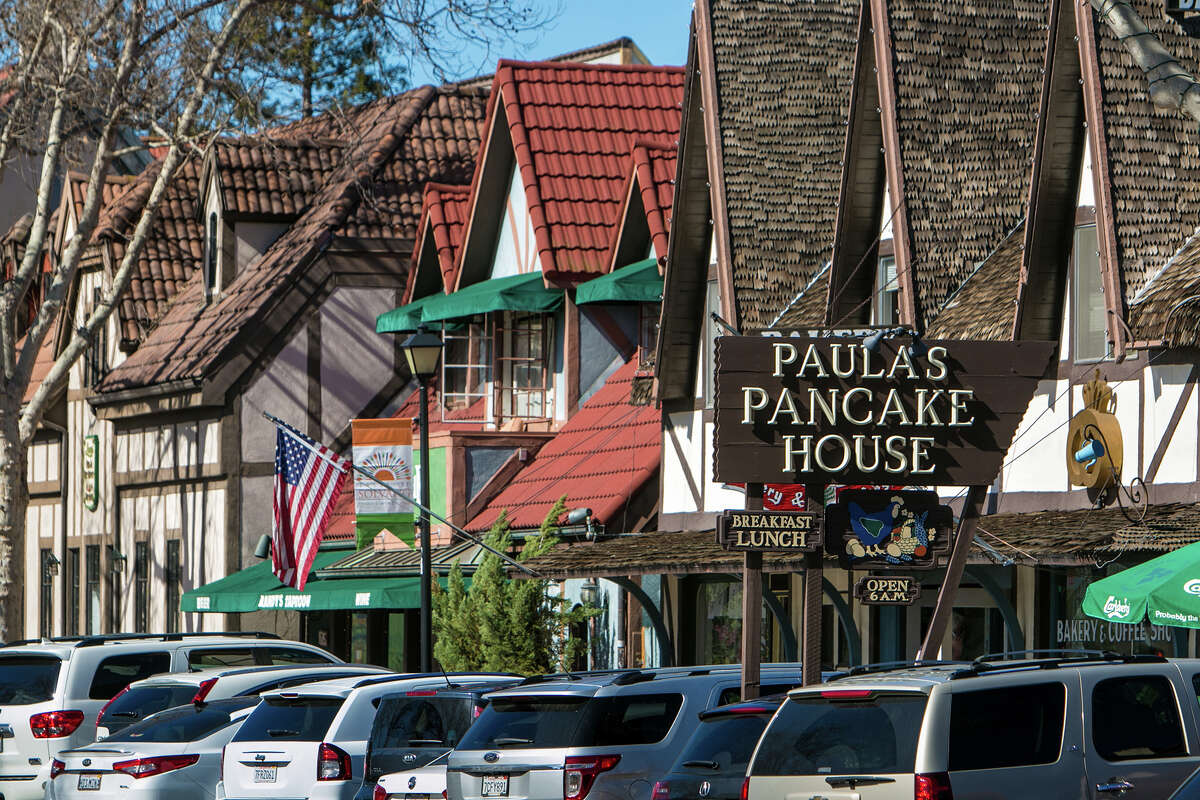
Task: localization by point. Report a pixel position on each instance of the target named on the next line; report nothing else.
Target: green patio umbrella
(1165, 589)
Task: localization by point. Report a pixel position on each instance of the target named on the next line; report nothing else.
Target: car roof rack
(893, 666)
(1084, 658)
(449, 676)
(91, 641)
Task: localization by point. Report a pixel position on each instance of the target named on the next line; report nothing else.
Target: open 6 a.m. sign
(800, 409)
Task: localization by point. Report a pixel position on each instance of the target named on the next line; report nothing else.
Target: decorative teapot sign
(1094, 449)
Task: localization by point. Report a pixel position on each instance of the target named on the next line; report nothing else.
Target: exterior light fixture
(875, 340)
(116, 561)
(422, 351)
(589, 593)
(263, 548)
(578, 516)
(918, 349)
(51, 565)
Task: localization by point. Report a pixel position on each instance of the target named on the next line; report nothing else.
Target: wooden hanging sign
(770, 531)
(887, 590)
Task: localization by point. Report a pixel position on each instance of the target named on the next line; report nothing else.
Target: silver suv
(1083, 727)
(52, 690)
(599, 735)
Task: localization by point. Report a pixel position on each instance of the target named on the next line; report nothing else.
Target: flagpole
(289, 431)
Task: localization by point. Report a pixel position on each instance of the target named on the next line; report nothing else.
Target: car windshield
(556, 721)
(25, 680)
(430, 721)
(297, 719)
(142, 701)
(815, 735)
(184, 724)
(723, 744)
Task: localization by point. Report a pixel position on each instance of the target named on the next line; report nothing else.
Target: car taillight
(100, 716)
(746, 789)
(579, 773)
(55, 724)
(333, 763)
(145, 767)
(932, 786)
(421, 693)
(380, 793)
(662, 791)
(203, 689)
(56, 768)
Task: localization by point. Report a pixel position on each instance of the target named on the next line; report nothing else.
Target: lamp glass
(422, 351)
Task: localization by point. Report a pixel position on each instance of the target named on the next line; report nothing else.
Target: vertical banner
(383, 447)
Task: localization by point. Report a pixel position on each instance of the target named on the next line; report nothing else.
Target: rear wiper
(713, 765)
(281, 732)
(125, 713)
(503, 740)
(854, 781)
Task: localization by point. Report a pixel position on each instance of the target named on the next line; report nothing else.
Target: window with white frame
(887, 290)
(523, 341)
(1090, 331)
(647, 334)
(466, 369)
(712, 305)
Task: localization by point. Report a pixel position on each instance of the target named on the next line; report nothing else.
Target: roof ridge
(950, 298)
(1148, 287)
(566, 65)
(800, 294)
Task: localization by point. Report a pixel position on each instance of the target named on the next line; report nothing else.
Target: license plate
(88, 783)
(265, 774)
(495, 786)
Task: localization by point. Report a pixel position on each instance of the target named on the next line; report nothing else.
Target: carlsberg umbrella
(1165, 589)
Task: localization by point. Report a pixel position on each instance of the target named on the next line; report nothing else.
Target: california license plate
(495, 786)
(265, 774)
(89, 783)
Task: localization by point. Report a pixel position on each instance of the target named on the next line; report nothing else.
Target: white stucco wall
(516, 248)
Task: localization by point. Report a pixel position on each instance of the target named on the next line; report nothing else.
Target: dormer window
(887, 292)
(210, 257)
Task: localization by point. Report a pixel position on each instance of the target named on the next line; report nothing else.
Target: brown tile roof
(1154, 167)
(968, 81)
(192, 337)
(1168, 306)
(983, 306)
(783, 72)
(807, 309)
(272, 176)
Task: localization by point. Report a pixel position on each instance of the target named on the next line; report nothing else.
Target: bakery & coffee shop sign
(830, 410)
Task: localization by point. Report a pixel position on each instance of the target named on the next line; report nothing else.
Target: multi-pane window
(523, 366)
(95, 358)
(466, 369)
(887, 289)
(141, 586)
(174, 583)
(46, 622)
(92, 592)
(210, 256)
(1091, 332)
(73, 591)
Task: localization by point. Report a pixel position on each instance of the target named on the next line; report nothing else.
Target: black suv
(411, 729)
(713, 763)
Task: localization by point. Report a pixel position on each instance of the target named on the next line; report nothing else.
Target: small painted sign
(91, 472)
(887, 590)
(884, 529)
(769, 531)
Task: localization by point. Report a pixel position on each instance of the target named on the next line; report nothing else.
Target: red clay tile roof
(652, 173)
(421, 128)
(444, 217)
(114, 187)
(598, 460)
(340, 527)
(573, 127)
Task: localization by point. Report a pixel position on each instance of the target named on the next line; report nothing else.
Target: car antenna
(447, 677)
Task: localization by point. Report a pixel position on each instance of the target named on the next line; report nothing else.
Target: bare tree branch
(1171, 86)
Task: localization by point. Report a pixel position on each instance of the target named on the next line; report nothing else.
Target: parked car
(423, 783)
(142, 698)
(172, 755)
(601, 735)
(1091, 727)
(413, 728)
(311, 741)
(713, 763)
(1190, 789)
(52, 690)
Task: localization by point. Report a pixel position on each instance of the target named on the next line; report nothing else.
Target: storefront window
(1073, 630)
(719, 625)
(466, 370)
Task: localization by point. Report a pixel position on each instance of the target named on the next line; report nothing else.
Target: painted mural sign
(383, 447)
(904, 529)
(887, 590)
(769, 531)
(830, 410)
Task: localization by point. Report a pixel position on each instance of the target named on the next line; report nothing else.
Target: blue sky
(660, 28)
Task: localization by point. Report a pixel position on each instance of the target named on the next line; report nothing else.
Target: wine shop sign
(801, 409)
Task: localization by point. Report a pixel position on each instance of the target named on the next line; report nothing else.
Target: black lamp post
(422, 351)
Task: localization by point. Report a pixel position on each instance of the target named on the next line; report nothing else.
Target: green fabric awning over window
(635, 283)
(403, 319)
(255, 588)
(513, 293)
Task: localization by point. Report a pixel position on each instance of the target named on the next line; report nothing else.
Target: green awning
(634, 283)
(255, 588)
(513, 293)
(405, 318)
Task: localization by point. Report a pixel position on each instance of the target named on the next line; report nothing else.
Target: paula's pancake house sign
(830, 410)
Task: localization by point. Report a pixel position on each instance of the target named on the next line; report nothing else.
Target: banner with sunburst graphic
(383, 448)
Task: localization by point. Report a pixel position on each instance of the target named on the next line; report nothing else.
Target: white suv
(52, 690)
(311, 741)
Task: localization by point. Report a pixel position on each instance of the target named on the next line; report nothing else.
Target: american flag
(308, 480)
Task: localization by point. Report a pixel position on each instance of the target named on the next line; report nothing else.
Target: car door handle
(1115, 785)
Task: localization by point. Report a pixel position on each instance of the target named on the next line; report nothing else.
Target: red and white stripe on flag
(308, 480)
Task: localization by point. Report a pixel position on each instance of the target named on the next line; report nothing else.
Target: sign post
(752, 606)
(814, 587)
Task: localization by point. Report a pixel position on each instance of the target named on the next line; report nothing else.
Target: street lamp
(422, 351)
